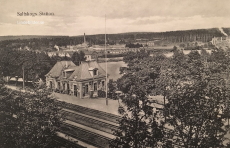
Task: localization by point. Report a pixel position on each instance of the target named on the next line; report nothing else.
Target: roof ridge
(80, 69)
(61, 64)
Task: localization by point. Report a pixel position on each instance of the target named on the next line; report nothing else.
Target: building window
(59, 85)
(103, 85)
(63, 86)
(95, 86)
(94, 72)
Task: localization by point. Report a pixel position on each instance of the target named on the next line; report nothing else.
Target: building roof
(81, 72)
(59, 67)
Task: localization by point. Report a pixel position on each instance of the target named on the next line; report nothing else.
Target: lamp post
(23, 74)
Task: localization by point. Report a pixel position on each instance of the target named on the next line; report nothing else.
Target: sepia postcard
(114, 73)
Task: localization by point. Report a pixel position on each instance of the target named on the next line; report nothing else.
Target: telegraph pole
(106, 87)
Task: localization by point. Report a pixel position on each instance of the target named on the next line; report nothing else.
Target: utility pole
(106, 87)
(23, 77)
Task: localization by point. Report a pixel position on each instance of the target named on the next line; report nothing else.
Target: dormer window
(67, 72)
(95, 72)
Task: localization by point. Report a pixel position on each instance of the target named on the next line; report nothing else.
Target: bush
(101, 94)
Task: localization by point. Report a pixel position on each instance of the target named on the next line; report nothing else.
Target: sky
(76, 17)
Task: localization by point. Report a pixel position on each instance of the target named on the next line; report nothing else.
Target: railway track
(85, 136)
(91, 112)
(87, 121)
(59, 141)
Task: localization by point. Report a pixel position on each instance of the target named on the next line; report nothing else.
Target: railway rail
(85, 135)
(87, 121)
(91, 112)
(66, 143)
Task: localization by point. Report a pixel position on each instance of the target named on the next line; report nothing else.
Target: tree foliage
(139, 126)
(77, 58)
(194, 113)
(112, 89)
(196, 97)
(28, 120)
(35, 64)
(197, 92)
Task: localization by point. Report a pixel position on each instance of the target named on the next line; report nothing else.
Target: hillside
(170, 37)
(134, 35)
(22, 37)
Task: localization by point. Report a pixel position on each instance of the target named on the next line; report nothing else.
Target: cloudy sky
(74, 17)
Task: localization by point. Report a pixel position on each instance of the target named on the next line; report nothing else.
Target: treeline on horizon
(47, 42)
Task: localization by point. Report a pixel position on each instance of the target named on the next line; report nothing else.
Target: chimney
(66, 64)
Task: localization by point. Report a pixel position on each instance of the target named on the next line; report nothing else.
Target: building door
(75, 90)
(86, 89)
(68, 88)
(95, 87)
(83, 91)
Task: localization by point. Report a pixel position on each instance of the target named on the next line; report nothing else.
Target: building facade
(82, 81)
(91, 55)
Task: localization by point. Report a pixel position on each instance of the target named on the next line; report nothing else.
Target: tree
(42, 66)
(9, 62)
(112, 89)
(147, 68)
(194, 113)
(174, 48)
(204, 55)
(195, 88)
(130, 56)
(28, 120)
(35, 65)
(196, 97)
(78, 57)
(221, 58)
(82, 56)
(75, 58)
(139, 126)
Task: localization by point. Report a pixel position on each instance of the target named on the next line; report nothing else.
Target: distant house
(59, 53)
(91, 55)
(82, 81)
(51, 54)
(150, 43)
(56, 47)
(123, 50)
(26, 48)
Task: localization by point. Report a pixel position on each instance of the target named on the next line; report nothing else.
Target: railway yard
(91, 127)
